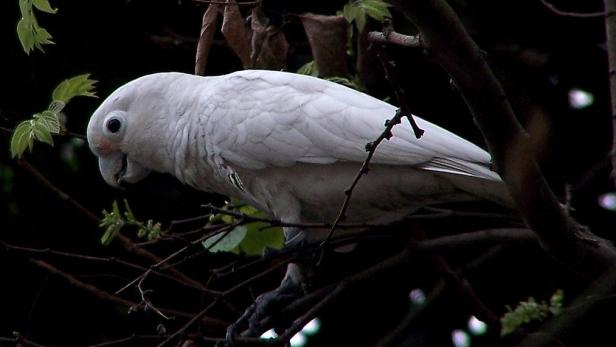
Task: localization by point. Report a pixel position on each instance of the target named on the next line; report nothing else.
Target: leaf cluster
(113, 222)
(531, 311)
(30, 33)
(358, 11)
(42, 126)
(251, 238)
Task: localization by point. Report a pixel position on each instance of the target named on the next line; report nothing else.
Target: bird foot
(266, 305)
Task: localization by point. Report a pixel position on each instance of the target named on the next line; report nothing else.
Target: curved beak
(117, 169)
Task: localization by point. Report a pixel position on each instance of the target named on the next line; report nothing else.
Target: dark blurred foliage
(538, 56)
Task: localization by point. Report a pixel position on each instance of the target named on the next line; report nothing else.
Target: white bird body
(289, 144)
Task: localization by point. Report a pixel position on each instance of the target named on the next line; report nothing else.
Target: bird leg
(291, 288)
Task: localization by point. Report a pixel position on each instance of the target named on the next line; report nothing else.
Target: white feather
(295, 142)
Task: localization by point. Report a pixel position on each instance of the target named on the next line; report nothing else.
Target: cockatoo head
(128, 129)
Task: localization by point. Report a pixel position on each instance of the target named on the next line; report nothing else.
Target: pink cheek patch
(104, 147)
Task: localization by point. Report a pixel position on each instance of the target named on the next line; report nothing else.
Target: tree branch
(610, 37)
(125, 242)
(571, 14)
(443, 34)
(112, 260)
(104, 295)
(395, 38)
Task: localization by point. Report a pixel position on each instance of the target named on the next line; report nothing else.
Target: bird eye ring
(114, 125)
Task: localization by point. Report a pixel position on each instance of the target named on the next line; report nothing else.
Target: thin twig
(390, 75)
(102, 294)
(157, 265)
(371, 149)
(20, 341)
(148, 304)
(245, 218)
(553, 8)
(113, 260)
(391, 339)
(192, 321)
(46, 183)
(125, 340)
(125, 242)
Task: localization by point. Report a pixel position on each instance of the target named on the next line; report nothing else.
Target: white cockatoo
(285, 143)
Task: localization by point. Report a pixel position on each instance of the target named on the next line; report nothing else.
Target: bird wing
(267, 118)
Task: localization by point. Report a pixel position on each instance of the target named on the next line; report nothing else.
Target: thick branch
(444, 36)
(395, 38)
(610, 37)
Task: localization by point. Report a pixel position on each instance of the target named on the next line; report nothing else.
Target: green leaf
(22, 138)
(250, 239)
(376, 9)
(41, 132)
(351, 83)
(43, 5)
(30, 34)
(226, 241)
(112, 222)
(25, 35)
(41, 37)
(530, 311)
(360, 21)
(50, 120)
(357, 11)
(310, 69)
(80, 85)
(260, 236)
(349, 11)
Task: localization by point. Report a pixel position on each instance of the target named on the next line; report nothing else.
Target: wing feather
(279, 119)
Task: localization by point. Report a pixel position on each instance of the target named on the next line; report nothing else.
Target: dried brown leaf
(208, 29)
(237, 33)
(269, 45)
(327, 36)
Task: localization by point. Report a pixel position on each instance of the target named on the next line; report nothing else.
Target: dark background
(538, 56)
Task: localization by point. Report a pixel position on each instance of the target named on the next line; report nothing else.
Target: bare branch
(20, 341)
(161, 262)
(610, 36)
(112, 260)
(104, 295)
(390, 75)
(572, 14)
(63, 196)
(125, 242)
(244, 218)
(395, 38)
(371, 149)
(445, 37)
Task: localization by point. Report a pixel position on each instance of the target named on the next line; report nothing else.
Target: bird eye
(114, 125)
